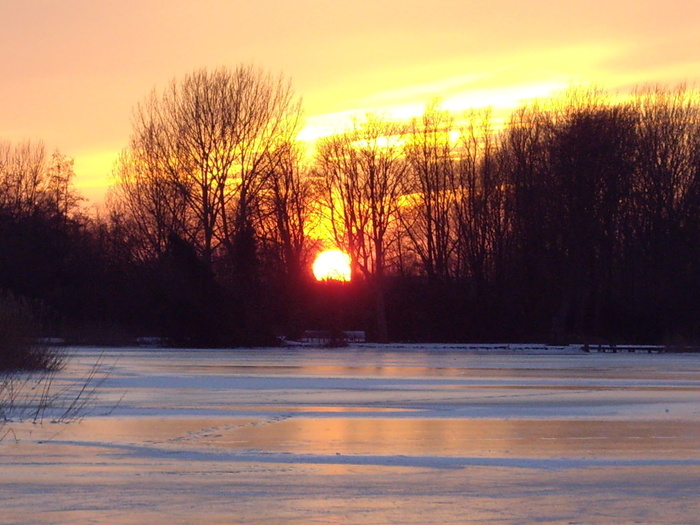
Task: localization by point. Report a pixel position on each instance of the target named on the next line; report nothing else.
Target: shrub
(19, 349)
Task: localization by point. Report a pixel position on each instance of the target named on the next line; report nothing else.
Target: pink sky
(72, 70)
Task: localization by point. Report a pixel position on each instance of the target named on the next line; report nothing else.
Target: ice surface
(391, 434)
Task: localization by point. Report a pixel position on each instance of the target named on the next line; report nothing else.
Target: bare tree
(146, 206)
(480, 200)
(663, 227)
(527, 272)
(22, 177)
(286, 211)
(667, 155)
(60, 195)
(363, 170)
(208, 138)
(591, 166)
(429, 191)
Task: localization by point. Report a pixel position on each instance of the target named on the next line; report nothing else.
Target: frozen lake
(397, 434)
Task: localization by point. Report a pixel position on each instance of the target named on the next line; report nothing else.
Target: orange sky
(72, 70)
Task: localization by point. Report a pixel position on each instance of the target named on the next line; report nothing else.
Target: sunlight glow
(502, 100)
(93, 173)
(332, 265)
(501, 82)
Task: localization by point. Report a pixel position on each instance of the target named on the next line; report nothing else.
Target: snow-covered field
(366, 435)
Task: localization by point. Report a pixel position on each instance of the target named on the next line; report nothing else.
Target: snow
(392, 434)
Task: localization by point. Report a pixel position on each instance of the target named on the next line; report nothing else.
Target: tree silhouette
(577, 220)
(199, 154)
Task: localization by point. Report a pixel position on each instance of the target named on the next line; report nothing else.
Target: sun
(332, 265)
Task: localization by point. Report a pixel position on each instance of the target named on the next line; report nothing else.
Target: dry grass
(37, 397)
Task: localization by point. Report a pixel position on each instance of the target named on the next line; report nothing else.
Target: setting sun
(332, 265)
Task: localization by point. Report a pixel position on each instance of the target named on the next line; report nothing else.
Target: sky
(73, 70)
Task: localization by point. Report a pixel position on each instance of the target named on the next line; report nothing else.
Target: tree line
(576, 218)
